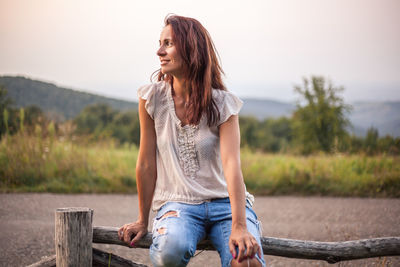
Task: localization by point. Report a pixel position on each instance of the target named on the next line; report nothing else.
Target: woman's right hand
(131, 233)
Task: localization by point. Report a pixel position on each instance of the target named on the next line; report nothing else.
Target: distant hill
(59, 103)
(264, 108)
(385, 116)
(66, 103)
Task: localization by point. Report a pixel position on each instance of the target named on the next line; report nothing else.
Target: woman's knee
(171, 253)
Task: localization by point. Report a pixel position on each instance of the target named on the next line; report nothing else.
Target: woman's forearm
(236, 192)
(145, 182)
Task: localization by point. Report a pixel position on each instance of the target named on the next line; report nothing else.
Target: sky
(266, 47)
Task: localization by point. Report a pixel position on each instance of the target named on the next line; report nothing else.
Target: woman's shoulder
(224, 96)
(155, 96)
(228, 104)
(146, 90)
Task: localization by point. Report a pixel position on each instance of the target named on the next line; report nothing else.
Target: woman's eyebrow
(166, 39)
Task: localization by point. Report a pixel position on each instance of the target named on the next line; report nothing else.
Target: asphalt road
(27, 224)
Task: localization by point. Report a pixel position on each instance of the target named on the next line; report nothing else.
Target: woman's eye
(167, 43)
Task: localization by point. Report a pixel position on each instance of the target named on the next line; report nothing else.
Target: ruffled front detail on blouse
(187, 153)
(187, 150)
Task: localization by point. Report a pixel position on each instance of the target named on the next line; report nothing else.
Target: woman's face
(170, 60)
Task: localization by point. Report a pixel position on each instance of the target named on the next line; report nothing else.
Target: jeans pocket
(248, 204)
(252, 217)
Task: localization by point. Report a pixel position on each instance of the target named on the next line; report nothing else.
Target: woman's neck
(181, 88)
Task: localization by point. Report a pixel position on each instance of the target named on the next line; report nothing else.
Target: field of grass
(333, 175)
(31, 163)
(35, 164)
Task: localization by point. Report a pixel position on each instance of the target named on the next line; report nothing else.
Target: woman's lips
(163, 62)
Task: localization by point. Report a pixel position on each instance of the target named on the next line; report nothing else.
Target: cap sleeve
(228, 105)
(147, 92)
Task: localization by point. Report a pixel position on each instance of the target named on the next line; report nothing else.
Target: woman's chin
(171, 71)
(164, 70)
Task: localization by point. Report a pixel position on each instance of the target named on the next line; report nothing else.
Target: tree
(94, 119)
(248, 128)
(100, 120)
(371, 141)
(320, 118)
(5, 105)
(126, 127)
(34, 115)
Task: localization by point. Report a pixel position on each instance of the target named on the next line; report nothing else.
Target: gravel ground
(27, 224)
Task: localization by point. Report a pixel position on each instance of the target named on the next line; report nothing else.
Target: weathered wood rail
(75, 235)
(331, 252)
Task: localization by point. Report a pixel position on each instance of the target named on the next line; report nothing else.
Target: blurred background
(319, 79)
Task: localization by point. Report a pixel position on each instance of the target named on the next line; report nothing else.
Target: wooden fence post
(73, 237)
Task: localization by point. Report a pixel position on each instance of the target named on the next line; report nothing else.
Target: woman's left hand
(245, 242)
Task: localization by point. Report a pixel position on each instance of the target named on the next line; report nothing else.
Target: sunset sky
(266, 47)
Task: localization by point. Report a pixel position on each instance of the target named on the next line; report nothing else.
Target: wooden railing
(74, 237)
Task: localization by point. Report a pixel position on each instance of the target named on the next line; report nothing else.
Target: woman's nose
(161, 51)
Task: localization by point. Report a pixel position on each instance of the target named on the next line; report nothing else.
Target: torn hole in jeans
(170, 213)
(162, 230)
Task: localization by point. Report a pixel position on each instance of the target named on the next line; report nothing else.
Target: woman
(189, 157)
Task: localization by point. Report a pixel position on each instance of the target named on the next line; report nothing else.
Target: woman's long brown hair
(203, 70)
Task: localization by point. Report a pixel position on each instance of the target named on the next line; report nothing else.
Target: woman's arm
(230, 155)
(146, 175)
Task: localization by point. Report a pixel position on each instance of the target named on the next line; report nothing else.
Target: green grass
(31, 163)
(35, 164)
(334, 175)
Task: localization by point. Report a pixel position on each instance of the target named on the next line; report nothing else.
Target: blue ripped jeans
(178, 227)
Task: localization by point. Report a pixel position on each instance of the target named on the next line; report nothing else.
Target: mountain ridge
(63, 103)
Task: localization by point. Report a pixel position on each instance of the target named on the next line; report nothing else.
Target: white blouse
(189, 167)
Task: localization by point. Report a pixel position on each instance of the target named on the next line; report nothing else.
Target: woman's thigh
(177, 229)
(222, 227)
